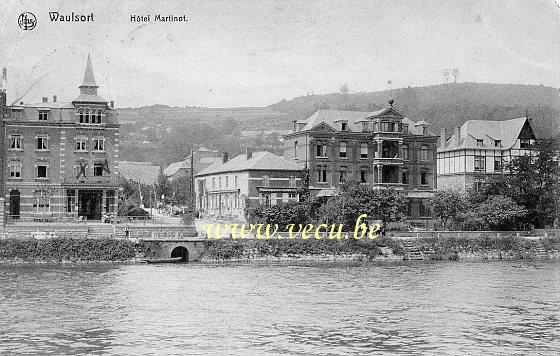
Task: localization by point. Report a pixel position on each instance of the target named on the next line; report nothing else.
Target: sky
(254, 53)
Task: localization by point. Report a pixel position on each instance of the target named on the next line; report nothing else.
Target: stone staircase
(100, 230)
(412, 250)
(540, 251)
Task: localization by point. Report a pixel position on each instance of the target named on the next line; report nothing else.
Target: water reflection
(417, 308)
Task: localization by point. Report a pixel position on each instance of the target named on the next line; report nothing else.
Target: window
(497, 143)
(342, 150)
(321, 174)
(15, 169)
(42, 171)
(292, 182)
(424, 211)
(363, 150)
(81, 113)
(342, 174)
(42, 142)
(16, 142)
(43, 115)
(99, 144)
(424, 153)
(220, 182)
(81, 144)
(384, 126)
(405, 151)
(236, 181)
(497, 164)
(279, 195)
(321, 149)
(86, 118)
(424, 178)
(227, 181)
(98, 169)
(295, 150)
(213, 182)
(479, 183)
(392, 127)
(266, 181)
(524, 144)
(405, 128)
(375, 126)
(480, 163)
(363, 175)
(99, 112)
(70, 200)
(41, 201)
(292, 195)
(109, 201)
(344, 126)
(479, 142)
(405, 177)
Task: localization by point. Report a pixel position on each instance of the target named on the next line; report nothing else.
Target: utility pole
(193, 196)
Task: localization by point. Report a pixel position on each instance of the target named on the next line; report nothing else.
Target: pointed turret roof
(89, 78)
(88, 89)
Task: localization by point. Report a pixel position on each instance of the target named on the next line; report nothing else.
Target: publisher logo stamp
(27, 21)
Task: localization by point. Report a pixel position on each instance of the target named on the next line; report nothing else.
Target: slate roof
(355, 120)
(199, 165)
(89, 78)
(143, 172)
(261, 160)
(507, 131)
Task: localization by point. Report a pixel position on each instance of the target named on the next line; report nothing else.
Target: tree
(446, 205)
(455, 73)
(533, 182)
(163, 188)
(497, 212)
(446, 73)
(181, 187)
(356, 199)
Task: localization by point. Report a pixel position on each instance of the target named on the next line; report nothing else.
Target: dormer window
(364, 126)
(497, 143)
(524, 144)
(344, 126)
(479, 142)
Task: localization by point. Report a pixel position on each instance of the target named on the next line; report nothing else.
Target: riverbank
(84, 250)
(383, 249)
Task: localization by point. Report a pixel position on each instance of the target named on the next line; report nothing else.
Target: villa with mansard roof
(480, 149)
(382, 148)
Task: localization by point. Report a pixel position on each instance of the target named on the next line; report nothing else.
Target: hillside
(163, 134)
(445, 105)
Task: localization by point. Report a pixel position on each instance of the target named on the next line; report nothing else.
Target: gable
(323, 127)
(526, 132)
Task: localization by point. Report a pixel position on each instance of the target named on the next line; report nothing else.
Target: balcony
(108, 181)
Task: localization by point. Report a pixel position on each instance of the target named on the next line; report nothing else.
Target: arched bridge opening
(180, 251)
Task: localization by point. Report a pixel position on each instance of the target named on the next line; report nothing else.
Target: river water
(469, 308)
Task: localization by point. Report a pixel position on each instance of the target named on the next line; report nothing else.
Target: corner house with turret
(382, 148)
(59, 157)
(481, 149)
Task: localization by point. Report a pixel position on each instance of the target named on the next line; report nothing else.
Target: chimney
(456, 136)
(224, 157)
(45, 99)
(295, 125)
(248, 153)
(4, 74)
(54, 98)
(112, 104)
(443, 138)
